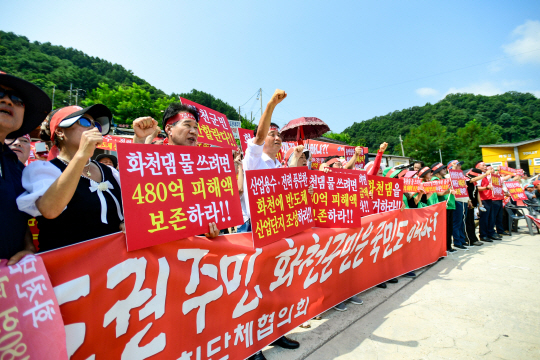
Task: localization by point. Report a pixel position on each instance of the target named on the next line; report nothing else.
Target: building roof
(513, 144)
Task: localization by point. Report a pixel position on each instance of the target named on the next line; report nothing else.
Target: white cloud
(425, 92)
(485, 88)
(528, 40)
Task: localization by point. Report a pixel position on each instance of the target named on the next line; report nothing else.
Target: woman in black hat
(73, 198)
(108, 159)
(23, 106)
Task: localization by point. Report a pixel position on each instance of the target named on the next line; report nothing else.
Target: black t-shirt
(81, 220)
(13, 223)
(473, 193)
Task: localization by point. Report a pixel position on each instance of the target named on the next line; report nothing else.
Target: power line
(256, 92)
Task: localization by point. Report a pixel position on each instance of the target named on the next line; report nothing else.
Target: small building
(521, 155)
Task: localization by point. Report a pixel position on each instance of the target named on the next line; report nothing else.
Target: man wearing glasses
(23, 106)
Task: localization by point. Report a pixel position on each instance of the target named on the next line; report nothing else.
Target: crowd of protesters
(75, 198)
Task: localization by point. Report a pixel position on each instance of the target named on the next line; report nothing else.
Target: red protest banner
(365, 204)
(110, 141)
(410, 185)
(214, 128)
(459, 183)
(387, 193)
(316, 163)
(497, 191)
(245, 135)
(279, 203)
(321, 148)
(171, 192)
(515, 190)
(230, 299)
(335, 199)
(31, 325)
(505, 170)
(430, 187)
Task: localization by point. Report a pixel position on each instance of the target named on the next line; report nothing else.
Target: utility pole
(440, 154)
(77, 98)
(260, 96)
(239, 114)
(53, 89)
(70, 91)
(401, 141)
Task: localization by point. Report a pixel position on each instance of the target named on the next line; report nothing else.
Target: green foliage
(469, 138)
(346, 138)
(517, 115)
(424, 141)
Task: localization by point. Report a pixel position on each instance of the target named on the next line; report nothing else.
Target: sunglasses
(13, 96)
(87, 123)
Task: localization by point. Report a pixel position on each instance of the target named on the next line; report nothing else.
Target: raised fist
(278, 96)
(383, 146)
(144, 126)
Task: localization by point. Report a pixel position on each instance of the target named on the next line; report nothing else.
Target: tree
(469, 138)
(424, 142)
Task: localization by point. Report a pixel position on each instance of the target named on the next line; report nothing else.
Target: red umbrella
(303, 128)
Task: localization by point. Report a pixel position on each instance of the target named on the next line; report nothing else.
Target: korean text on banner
(335, 199)
(31, 325)
(387, 193)
(505, 170)
(110, 141)
(410, 185)
(279, 203)
(245, 135)
(365, 204)
(515, 190)
(171, 192)
(214, 127)
(360, 160)
(459, 183)
(431, 187)
(222, 298)
(497, 191)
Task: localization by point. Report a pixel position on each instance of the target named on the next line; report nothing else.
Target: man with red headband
(181, 124)
(487, 218)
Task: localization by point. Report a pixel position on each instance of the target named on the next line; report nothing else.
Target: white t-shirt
(254, 159)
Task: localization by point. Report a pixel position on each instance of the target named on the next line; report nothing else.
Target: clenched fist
(278, 96)
(144, 126)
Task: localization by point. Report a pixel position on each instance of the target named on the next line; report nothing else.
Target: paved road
(483, 303)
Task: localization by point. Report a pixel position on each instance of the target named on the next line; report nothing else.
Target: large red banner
(459, 183)
(31, 325)
(171, 192)
(387, 193)
(323, 149)
(515, 190)
(110, 141)
(202, 299)
(335, 199)
(214, 128)
(279, 203)
(430, 187)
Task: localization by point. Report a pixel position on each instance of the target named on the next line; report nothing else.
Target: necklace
(88, 173)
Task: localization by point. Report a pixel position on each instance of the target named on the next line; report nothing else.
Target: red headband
(273, 128)
(27, 136)
(479, 164)
(423, 171)
(332, 161)
(179, 117)
(437, 167)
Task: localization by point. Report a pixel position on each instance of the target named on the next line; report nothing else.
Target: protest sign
(214, 128)
(279, 203)
(170, 192)
(335, 199)
(110, 141)
(245, 135)
(387, 193)
(505, 170)
(365, 204)
(430, 187)
(31, 325)
(497, 191)
(459, 183)
(410, 185)
(321, 148)
(515, 190)
(316, 163)
(360, 160)
(222, 298)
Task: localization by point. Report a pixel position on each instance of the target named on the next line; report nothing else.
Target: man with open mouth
(181, 124)
(23, 106)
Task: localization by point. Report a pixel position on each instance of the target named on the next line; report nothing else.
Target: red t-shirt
(485, 194)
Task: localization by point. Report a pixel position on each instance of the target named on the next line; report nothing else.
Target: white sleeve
(253, 155)
(116, 175)
(36, 180)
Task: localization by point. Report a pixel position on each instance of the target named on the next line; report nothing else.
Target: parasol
(303, 128)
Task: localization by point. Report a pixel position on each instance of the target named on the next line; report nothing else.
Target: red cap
(60, 115)
(537, 182)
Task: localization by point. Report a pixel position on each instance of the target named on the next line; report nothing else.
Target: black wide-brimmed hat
(37, 104)
(108, 156)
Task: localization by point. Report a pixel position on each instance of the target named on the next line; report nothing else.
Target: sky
(340, 61)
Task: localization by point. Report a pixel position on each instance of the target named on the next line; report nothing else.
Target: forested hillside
(56, 67)
(448, 125)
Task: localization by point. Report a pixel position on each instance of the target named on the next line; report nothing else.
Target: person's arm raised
(143, 128)
(266, 118)
(350, 163)
(59, 194)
